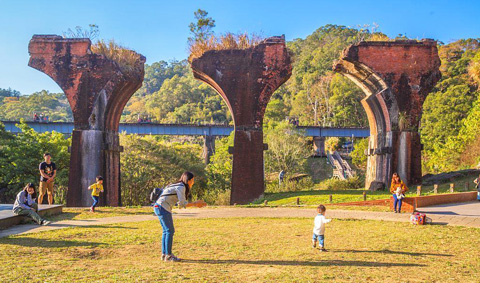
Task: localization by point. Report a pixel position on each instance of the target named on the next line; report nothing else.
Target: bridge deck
(185, 129)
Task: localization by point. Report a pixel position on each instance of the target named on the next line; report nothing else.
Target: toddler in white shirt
(319, 228)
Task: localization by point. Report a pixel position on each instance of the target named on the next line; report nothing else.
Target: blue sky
(159, 29)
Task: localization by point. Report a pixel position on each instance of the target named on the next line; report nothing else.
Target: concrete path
(469, 209)
(461, 214)
(443, 219)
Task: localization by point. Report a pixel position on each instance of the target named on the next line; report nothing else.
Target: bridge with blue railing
(184, 129)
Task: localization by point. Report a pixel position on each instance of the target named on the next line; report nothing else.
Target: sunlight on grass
(246, 250)
(100, 212)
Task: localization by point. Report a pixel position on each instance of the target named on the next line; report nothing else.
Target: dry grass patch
(129, 61)
(100, 212)
(245, 250)
(227, 41)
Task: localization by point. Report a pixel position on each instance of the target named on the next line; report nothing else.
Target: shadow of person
(386, 251)
(46, 243)
(303, 263)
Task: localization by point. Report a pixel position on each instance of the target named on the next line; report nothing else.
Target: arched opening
(97, 89)
(382, 109)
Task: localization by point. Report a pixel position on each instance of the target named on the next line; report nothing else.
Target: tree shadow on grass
(393, 252)
(305, 263)
(110, 226)
(62, 216)
(46, 243)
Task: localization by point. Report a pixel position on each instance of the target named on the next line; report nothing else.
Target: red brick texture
(396, 77)
(246, 79)
(411, 204)
(97, 89)
(377, 202)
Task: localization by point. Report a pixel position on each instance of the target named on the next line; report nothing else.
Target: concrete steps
(7, 218)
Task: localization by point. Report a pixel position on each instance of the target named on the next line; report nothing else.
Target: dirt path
(226, 212)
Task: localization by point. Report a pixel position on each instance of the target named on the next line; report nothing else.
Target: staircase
(341, 168)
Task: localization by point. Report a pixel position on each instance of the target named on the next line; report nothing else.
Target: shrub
(127, 60)
(359, 158)
(227, 41)
(148, 162)
(289, 186)
(336, 184)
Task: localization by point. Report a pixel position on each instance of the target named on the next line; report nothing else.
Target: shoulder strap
(164, 195)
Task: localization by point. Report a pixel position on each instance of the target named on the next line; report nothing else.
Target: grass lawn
(100, 212)
(315, 197)
(245, 250)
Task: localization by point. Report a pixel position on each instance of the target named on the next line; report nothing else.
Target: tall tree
(203, 28)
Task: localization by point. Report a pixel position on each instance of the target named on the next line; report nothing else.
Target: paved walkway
(442, 219)
(469, 209)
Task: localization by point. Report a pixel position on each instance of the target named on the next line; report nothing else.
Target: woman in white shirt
(172, 194)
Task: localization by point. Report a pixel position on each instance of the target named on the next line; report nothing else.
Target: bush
(333, 144)
(359, 159)
(148, 162)
(20, 156)
(289, 186)
(227, 41)
(336, 184)
(287, 148)
(217, 197)
(61, 195)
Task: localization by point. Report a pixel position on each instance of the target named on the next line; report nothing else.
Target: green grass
(245, 250)
(100, 212)
(317, 196)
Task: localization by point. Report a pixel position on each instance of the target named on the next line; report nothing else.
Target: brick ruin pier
(246, 79)
(396, 77)
(97, 89)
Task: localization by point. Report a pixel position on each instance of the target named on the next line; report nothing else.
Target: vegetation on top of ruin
(203, 38)
(227, 41)
(128, 60)
(79, 32)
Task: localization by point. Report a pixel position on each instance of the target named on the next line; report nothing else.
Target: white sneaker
(45, 222)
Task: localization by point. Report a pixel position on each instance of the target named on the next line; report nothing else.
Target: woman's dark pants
(397, 201)
(166, 221)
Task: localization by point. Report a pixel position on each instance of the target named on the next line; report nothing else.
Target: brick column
(97, 89)
(246, 79)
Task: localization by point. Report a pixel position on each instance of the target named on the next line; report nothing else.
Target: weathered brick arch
(396, 77)
(97, 90)
(246, 79)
